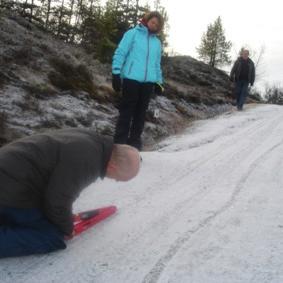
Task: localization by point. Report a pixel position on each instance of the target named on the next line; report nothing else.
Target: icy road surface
(206, 207)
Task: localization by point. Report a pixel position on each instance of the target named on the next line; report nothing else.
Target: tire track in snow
(190, 168)
(258, 133)
(154, 274)
(176, 175)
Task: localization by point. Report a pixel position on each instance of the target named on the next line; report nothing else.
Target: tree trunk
(31, 10)
(72, 10)
(78, 14)
(137, 10)
(60, 18)
(48, 13)
(91, 6)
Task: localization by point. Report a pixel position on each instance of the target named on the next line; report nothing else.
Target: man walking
(243, 74)
(40, 178)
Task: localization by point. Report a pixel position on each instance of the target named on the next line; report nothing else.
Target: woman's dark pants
(133, 106)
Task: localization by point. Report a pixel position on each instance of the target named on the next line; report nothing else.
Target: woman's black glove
(116, 82)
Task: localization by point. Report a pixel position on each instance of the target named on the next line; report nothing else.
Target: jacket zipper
(130, 69)
(147, 57)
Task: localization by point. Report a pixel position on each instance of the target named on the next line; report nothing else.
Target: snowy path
(206, 207)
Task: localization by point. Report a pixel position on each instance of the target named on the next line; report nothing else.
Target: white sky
(253, 23)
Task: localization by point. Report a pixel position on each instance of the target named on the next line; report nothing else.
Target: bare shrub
(274, 94)
(40, 91)
(69, 76)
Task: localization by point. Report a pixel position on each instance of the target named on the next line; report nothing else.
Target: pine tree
(214, 48)
(96, 27)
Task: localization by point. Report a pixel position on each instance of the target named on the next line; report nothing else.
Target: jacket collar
(141, 27)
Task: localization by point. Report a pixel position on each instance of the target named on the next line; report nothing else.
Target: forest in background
(96, 25)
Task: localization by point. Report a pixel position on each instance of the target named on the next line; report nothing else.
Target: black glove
(158, 89)
(116, 82)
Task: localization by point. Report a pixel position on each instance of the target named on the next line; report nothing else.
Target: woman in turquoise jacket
(137, 63)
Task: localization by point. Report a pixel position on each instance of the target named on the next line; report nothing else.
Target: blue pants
(241, 93)
(26, 232)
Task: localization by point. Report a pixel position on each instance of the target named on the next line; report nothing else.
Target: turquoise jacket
(138, 56)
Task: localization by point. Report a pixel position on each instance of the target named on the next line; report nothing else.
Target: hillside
(48, 84)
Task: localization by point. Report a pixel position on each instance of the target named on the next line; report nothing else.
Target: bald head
(124, 163)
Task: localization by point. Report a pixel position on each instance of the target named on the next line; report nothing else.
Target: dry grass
(68, 76)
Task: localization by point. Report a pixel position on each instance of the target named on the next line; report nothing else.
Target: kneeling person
(40, 178)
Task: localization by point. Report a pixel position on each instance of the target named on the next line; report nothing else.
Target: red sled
(87, 219)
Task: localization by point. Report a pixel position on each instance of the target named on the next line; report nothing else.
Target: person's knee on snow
(26, 231)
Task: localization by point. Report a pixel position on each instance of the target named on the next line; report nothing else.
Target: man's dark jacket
(49, 170)
(236, 70)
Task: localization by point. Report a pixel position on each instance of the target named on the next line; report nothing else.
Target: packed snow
(206, 207)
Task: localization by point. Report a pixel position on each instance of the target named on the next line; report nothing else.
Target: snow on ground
(206, 207)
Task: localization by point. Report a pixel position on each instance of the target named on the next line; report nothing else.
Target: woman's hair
(148, 16)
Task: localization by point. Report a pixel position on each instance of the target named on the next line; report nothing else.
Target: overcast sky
(253, 23)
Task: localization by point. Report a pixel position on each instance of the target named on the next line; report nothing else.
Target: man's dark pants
(26, 231)
(241, 93)
(133, 106)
